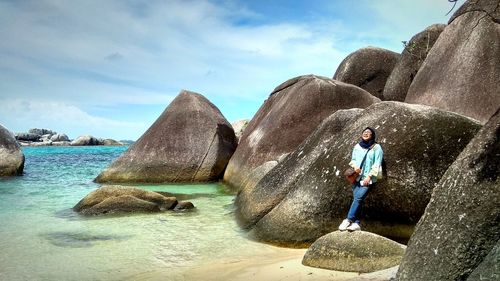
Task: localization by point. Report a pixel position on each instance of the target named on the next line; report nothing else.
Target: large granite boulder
(85, 140)
(292, 111)
(461, 72)
(11, 156)
(413, 56)
(271, 186)
(357, 251)
(306, 196)
(121, 199)
(190, 142)
(461, 224)
(368, 68)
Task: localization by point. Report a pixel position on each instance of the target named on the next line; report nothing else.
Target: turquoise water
(41, 238)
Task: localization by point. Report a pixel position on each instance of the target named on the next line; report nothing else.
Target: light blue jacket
(373, 162)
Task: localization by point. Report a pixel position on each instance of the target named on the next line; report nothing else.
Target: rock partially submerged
(85, 140)
(461, 224)
(122, 199)
(11, 156)
(190, 142)
(357, 251)
(287, 117)
(368, 68)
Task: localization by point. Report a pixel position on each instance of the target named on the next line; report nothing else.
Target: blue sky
(109, 68)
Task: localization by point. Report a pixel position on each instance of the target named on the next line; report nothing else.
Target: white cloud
(65, 118)
(121, 53)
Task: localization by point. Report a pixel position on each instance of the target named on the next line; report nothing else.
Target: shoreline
(277, 264)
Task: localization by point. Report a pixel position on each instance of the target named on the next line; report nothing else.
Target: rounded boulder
(357, 251)
(292, 111)
(121, 199)
(368, 68)
(306, 195)
(11, 156)
(190, 142)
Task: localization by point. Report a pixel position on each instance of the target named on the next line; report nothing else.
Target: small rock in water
(183, 206)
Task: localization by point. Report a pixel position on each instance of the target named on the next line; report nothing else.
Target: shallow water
(41, 238)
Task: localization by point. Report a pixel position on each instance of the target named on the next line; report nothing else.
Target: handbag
(350, 174)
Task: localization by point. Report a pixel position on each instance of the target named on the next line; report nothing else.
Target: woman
(367, 161)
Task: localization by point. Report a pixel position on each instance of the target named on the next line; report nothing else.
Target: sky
(109, 68)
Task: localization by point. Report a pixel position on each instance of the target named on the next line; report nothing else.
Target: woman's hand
(358, 170)
(366, 181)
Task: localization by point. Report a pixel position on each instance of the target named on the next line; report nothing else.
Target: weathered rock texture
(461, 224)
(292, 111)
(240, 126)
(357, 251)
(11, 156)
(413, 56)
(461, 72)
(489, 268)
(121, 199)
(190, 142)
(368, 68)
(306, 195)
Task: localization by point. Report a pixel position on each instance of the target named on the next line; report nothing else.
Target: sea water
(41, 238)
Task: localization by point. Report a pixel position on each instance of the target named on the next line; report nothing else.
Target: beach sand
(285, 264)
(275, 264)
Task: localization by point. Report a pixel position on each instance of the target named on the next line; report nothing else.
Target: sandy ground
(279, 264)
(286, 264)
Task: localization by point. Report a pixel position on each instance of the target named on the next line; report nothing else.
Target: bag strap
(364, 158)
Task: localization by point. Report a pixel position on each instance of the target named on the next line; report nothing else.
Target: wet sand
(284, 264)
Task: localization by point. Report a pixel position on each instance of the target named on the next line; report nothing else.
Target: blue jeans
(359, 194)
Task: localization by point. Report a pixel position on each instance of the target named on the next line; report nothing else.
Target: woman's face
(367, 135)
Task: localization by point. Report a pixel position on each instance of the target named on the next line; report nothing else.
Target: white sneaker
(353, 227)
(343, 226)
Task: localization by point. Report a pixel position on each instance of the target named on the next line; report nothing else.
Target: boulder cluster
(45, 137)
(436, 110)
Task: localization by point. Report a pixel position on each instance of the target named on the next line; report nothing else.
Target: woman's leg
(359, 194)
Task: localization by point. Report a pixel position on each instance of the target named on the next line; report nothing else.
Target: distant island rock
(11, 156)
(46, 137)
